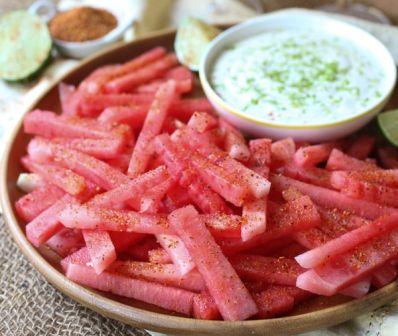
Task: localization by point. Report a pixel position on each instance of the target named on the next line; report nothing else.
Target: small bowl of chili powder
(81, 31)
(82, 24)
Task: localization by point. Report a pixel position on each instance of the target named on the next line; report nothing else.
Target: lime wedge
(193, 36)
(25, 45)
(388, 123)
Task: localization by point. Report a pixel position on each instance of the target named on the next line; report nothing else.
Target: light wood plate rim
(161, 322)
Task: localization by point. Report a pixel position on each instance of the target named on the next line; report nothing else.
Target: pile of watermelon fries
(145, 193)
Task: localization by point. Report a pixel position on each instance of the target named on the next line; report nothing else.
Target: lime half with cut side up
(388, 123)
(25, 45)
(192, 39)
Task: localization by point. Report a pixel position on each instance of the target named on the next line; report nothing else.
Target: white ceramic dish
(124, 11)
(281, 20)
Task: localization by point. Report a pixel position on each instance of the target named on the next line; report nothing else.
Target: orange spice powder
(82, 24)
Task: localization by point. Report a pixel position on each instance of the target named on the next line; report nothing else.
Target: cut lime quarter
(388, 123)
(25, 45)
(192, 39)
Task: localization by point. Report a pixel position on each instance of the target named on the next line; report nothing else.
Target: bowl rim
(107, 38)
(159, 321)
(204, 69)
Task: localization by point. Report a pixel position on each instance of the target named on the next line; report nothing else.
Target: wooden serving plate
(333, 310)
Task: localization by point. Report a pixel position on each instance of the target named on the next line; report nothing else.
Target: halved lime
(388, 123)
(25, 45)
(193, 36)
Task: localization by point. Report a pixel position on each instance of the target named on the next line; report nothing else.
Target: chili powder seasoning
(82, 24)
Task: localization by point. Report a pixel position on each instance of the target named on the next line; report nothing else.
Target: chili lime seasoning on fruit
(82, 24)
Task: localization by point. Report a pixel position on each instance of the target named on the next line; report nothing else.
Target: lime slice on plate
(192, 39)
(25, 45)
(388, 123)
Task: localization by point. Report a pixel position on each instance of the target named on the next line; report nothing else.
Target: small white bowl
(280, 20)
(123, 10)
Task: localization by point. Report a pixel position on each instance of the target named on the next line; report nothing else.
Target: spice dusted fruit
(328, 224)
(82, 24)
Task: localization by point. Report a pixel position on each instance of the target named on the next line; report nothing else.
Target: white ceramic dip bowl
(312, 129)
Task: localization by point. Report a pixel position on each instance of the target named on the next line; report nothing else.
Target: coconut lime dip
(298, 77)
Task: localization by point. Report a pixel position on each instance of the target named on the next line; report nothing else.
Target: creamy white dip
(298, 77)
